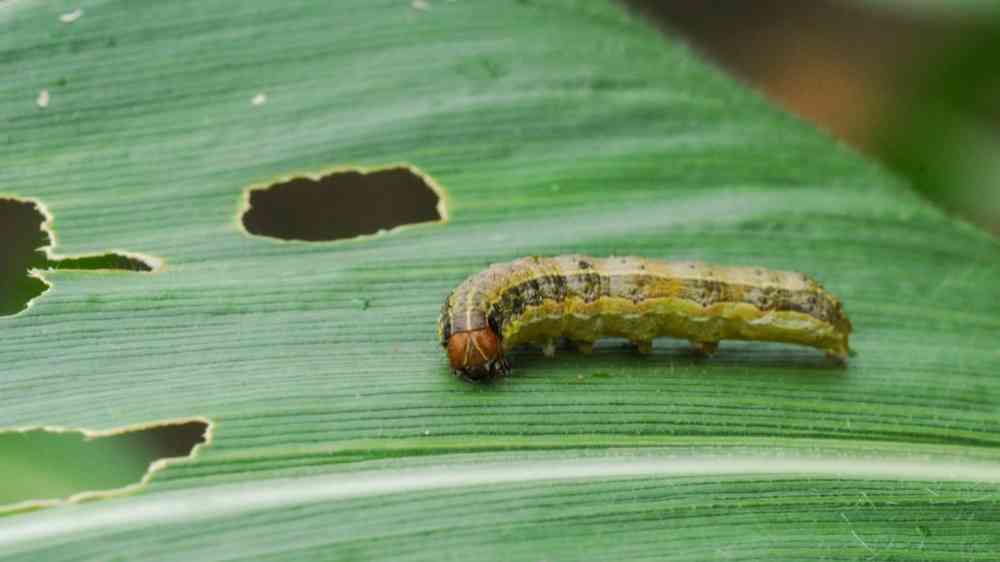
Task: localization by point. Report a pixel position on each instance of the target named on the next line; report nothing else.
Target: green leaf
(554, 126)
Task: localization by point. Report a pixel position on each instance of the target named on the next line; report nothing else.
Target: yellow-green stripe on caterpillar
(539, 299)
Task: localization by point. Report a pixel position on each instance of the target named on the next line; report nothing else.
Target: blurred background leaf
(914, 84)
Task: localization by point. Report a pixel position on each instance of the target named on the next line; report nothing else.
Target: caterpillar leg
(704, 348)
(837, 358)
(493, 370)
(643, 346)
(838, 352)
(585, 347)
(549, 348)
(500, 367)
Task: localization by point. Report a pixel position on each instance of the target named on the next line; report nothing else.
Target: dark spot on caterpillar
(589, 285)
(512, 305)
(494, 320)
(637, 291)
(515, 300)
(531, 293)
(445, 325)
(706, 291)
(764, 299)
(558, 286)
(584, 264)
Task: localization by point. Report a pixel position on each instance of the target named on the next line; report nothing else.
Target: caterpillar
(540, 299)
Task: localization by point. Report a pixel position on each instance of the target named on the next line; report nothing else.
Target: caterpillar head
(477, 354)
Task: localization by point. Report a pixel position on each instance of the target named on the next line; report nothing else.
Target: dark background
(914, 84)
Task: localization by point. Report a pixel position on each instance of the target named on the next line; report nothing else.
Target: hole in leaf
(103, 261)
(22, 239)
(25, 238)
(42, 467)
(343, 204)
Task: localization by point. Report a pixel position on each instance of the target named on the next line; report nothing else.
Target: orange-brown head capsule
(477, 354)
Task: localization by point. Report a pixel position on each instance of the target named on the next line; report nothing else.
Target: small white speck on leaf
(421, 5)
(42, 100)
(70, 17)
(259, 99)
